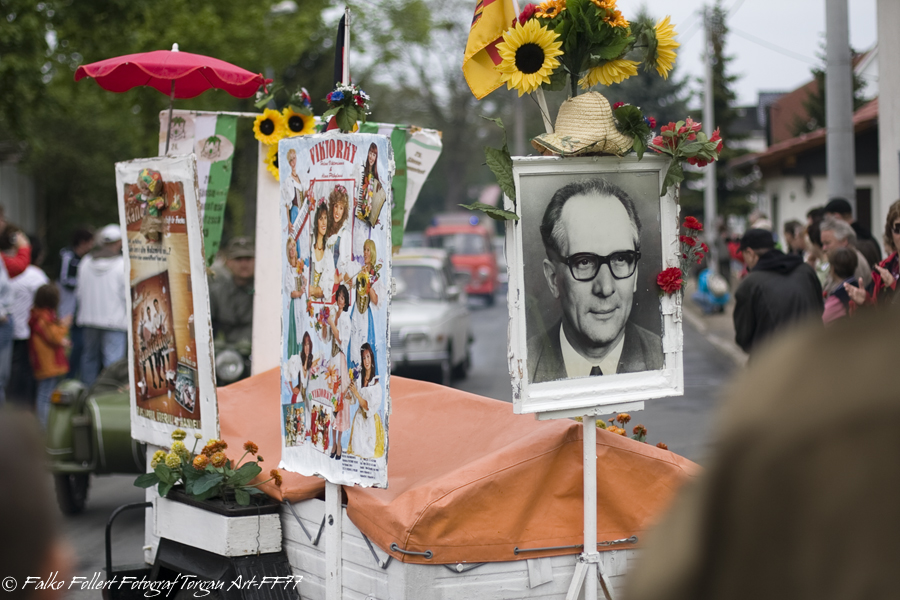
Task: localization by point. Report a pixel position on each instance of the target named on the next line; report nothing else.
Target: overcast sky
(774, 42)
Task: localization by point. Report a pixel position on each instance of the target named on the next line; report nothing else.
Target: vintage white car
(430, 323)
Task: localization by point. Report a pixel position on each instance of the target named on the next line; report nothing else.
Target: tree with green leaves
(814, 104)
(70, 135)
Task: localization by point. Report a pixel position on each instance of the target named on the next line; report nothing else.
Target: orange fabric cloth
(471, 481)
(45, 346)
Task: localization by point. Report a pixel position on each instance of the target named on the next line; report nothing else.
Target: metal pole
(839, 143)
(171, 108)
(709, 124)
(590, 504)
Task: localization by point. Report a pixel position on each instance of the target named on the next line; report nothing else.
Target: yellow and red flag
(492, 18)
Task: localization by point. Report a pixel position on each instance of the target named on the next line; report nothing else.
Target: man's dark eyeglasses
(896, 228)
(584, 266)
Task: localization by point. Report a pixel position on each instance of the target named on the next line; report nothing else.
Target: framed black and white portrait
(589, 326)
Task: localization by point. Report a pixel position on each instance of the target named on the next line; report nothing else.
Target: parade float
(321, 469)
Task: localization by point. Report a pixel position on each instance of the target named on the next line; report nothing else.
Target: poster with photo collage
(336, 268)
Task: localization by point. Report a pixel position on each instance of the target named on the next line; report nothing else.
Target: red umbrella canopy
(192, 74)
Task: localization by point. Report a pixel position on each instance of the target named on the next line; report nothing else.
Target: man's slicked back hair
(551, 224)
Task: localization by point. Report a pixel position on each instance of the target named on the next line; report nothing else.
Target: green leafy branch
(499, 162)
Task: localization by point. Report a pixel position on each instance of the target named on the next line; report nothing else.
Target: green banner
(218, 182)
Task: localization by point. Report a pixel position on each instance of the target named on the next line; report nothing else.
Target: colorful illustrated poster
(336, 271)
(171, 375)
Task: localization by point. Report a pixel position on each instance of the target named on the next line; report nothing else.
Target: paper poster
(171, 375)
(211, 137)
(336, 270)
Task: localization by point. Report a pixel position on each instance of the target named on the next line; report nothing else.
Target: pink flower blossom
(618, 105)
(653, 123)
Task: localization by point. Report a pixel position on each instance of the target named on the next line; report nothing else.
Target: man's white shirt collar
(579, 366)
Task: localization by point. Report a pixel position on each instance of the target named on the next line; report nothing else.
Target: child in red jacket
(47, 346)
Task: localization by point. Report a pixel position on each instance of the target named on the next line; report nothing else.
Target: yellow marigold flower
(173, 461)
(550, 9)
(179, 434)
(181, 450)
(269, 127)
(614, 71)
(218, 459)
(665, 48)
(528, 54)
(158, 457)
(251, 447)
(200, 461)
(276, 476)
(623, 418)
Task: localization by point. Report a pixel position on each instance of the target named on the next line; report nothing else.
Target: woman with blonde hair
(369, 289)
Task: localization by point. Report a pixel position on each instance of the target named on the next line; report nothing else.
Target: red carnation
(526, 13)
(704, 247)
(658, 141)
(618, 105)
(692, 223)
(686, 239)
(692, 125)
(670, 280)
(328, 97)
(715, 137)
(669, 127)
(359, 100)
(653, 123)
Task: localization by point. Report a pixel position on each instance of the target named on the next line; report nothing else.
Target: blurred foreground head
(31, 545)
(801, 500)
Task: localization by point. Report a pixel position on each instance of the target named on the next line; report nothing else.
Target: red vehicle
(469, 245)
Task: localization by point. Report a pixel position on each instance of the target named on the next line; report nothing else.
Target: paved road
(684, 423)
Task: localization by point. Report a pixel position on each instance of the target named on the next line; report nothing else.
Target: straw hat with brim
(584, 125)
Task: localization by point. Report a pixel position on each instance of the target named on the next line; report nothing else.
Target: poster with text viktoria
(336, 271)
(171, 376)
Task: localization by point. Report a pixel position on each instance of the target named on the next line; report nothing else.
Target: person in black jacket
(779, 290)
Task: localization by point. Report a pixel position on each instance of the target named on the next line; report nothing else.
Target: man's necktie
(596, 371)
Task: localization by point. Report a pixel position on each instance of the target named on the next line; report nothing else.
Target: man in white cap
(102, 309)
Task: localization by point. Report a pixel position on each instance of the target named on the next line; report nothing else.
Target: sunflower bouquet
(207, 474)
(295, 118)
(582, 42)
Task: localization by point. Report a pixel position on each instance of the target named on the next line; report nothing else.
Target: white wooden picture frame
(536, 311)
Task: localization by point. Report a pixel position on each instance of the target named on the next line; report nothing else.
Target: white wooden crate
(363, 579)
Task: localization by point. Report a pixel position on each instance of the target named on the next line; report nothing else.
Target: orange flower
(277, 477)
(663, 446)
(200, 462)
(623, 418)
(251, 447)
(639, 430)
(218, 459)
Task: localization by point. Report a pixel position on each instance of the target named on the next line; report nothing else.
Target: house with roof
(793, 169)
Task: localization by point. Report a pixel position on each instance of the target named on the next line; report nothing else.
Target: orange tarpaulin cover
(468, 479)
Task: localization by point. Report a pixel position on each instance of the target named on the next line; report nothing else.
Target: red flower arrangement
(684, 142)
(670, 280)
(692, 251)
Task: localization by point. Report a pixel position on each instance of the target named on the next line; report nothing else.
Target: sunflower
(615, 19)
(269, 127)
(665, 49)
(297, 123)
(272, 160)
(614, 71)
(529, 56)
(550, 9)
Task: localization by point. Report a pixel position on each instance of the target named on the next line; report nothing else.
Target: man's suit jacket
(641, 351)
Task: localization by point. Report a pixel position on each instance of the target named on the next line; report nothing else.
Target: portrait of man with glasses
(592, 268)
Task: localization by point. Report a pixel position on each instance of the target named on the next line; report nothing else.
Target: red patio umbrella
(178, 74)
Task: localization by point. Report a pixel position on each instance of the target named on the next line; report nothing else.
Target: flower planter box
(218, 526)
